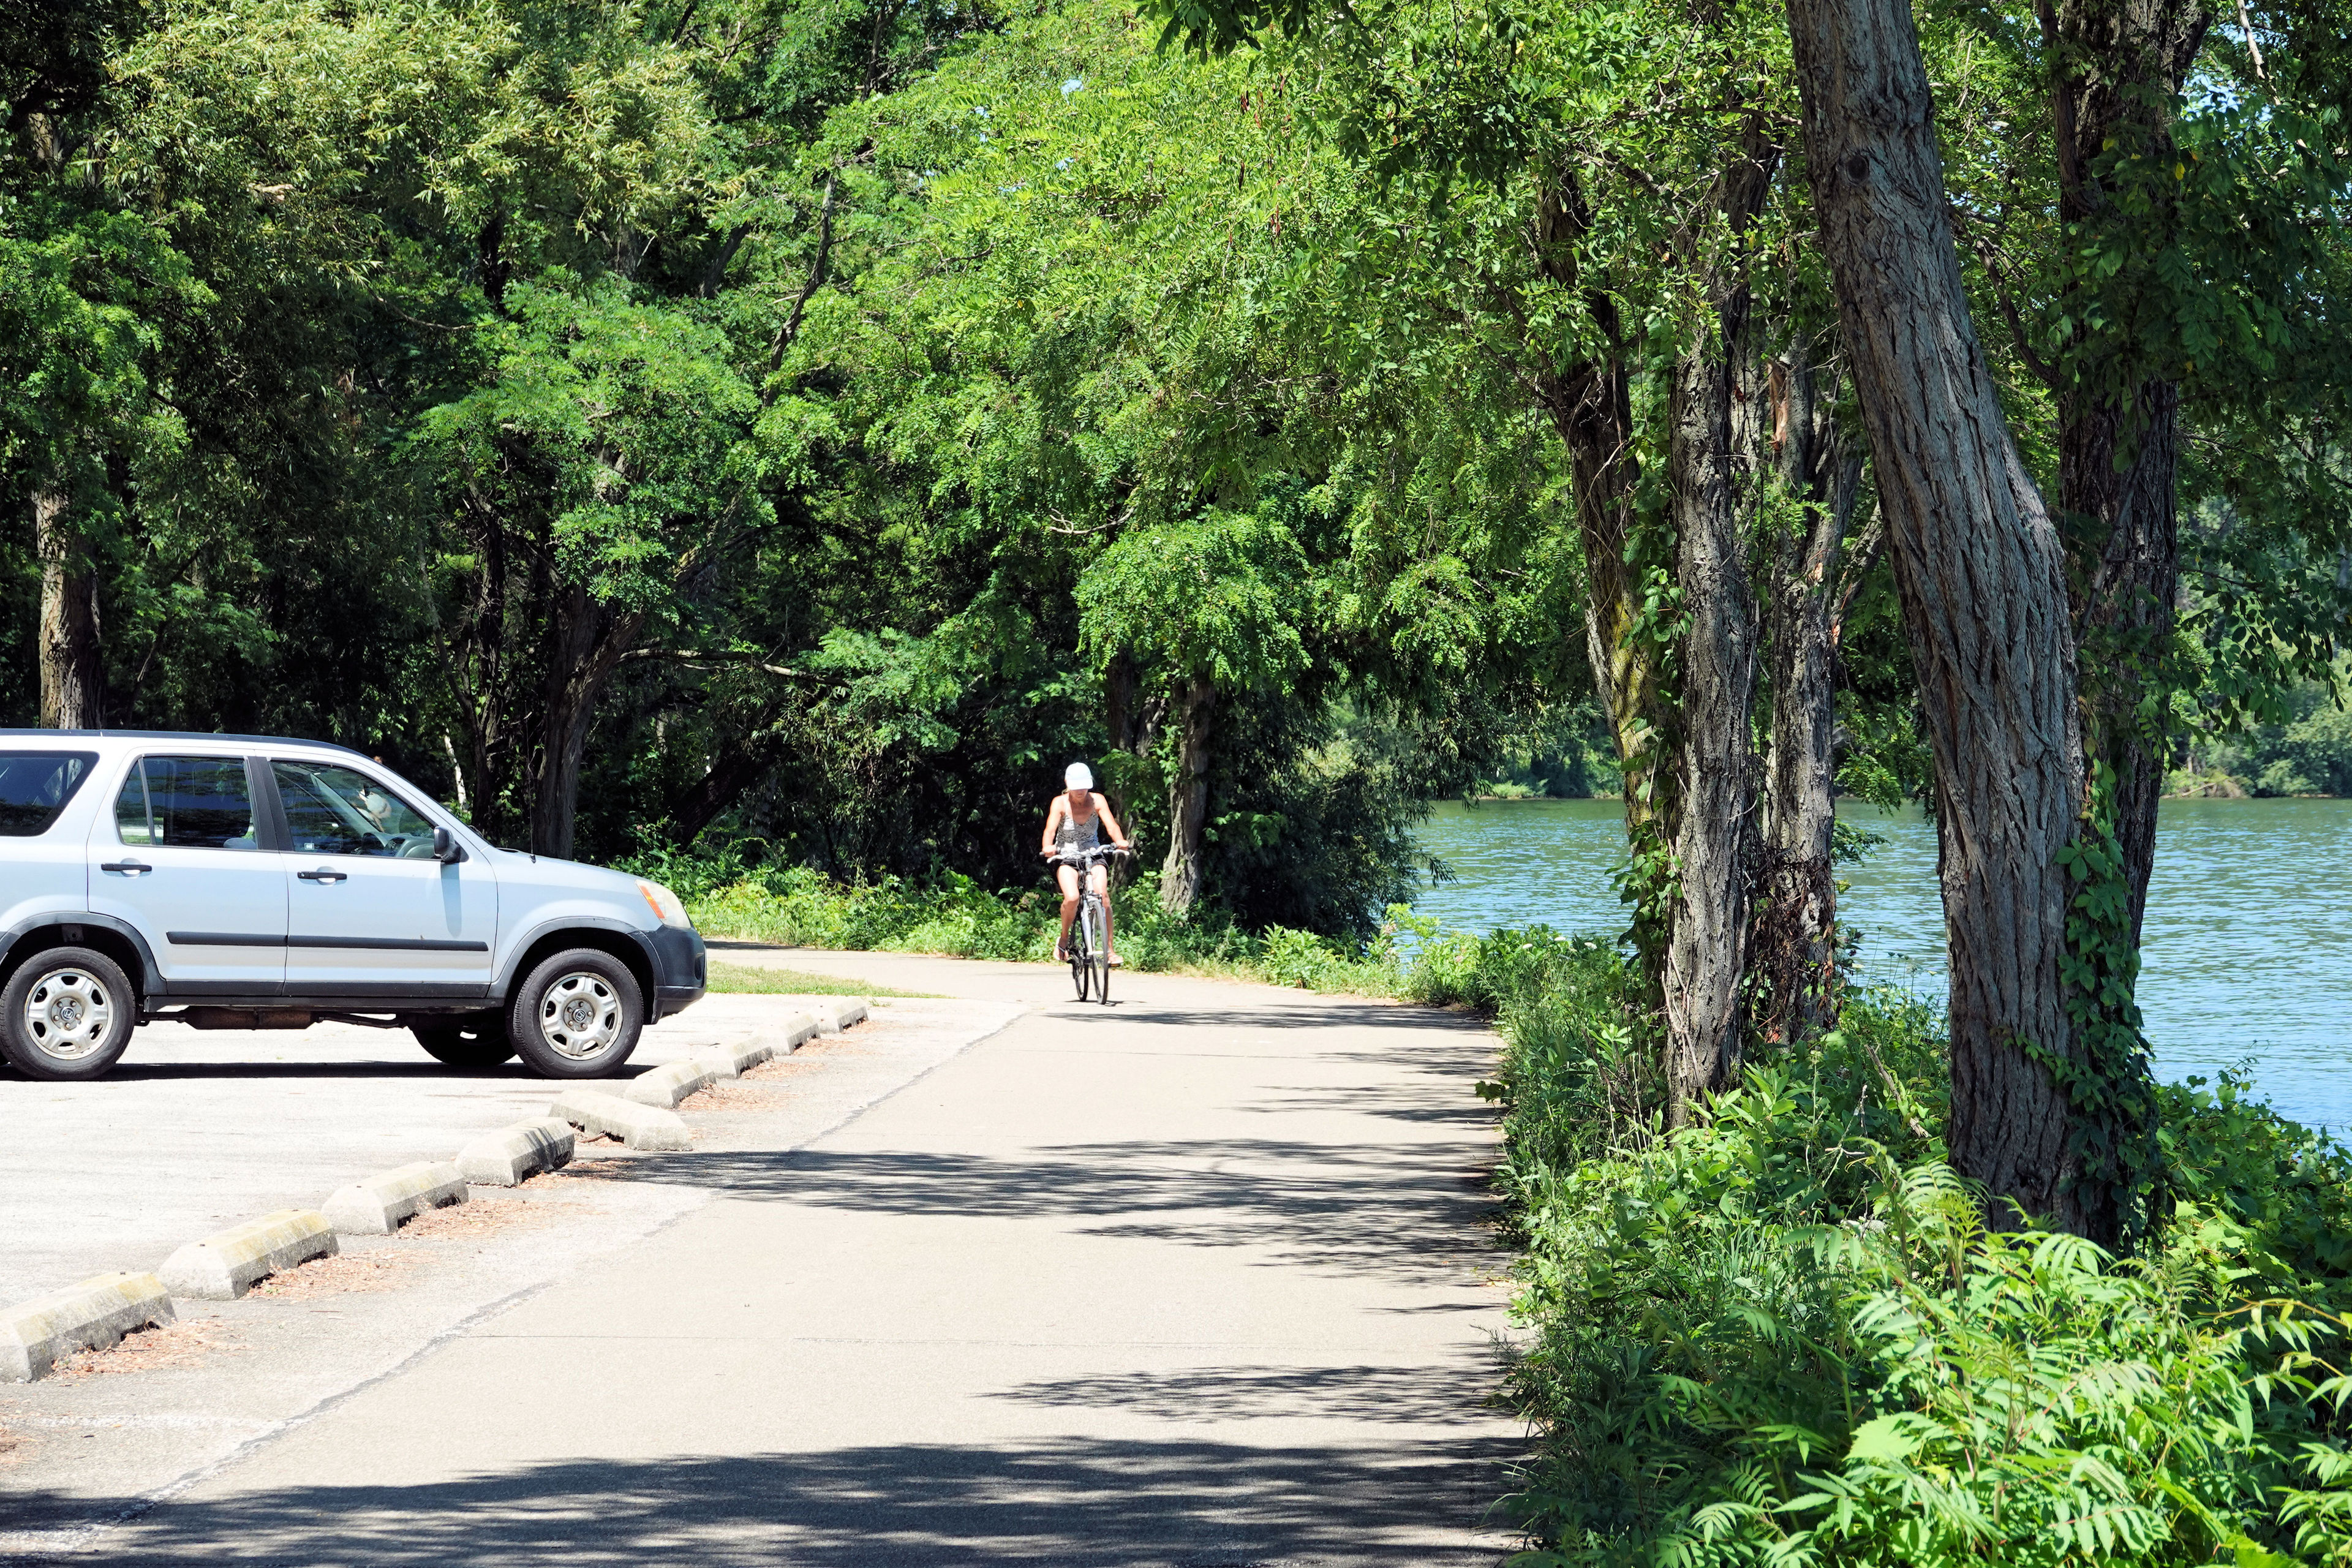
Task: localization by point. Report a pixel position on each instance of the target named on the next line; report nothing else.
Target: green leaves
(616, 424)
(1215, 595)
(81, 293)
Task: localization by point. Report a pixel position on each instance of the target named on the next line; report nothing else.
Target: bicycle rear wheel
(1098, 951)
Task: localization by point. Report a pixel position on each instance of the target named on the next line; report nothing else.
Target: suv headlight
(666, 905)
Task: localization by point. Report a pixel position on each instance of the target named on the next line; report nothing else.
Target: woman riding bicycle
(1076, 823)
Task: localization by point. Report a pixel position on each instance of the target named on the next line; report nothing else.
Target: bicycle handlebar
(1098, 852)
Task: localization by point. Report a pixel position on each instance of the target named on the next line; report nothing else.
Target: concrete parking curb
(799, 1030)
(91, 1315)
(601, 1115)
(732, 1061)
(665, 1086)
(225, 1266)
(505, 1157)
(834, 1015)
(377, 1205)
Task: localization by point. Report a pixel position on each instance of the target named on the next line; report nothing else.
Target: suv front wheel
(67, 1013)
(577, 1014)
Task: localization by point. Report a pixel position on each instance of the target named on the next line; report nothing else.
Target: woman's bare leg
(1102, 890)
(1068, 876)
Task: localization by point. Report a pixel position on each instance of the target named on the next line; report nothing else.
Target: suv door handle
(127, 868)
(324, 875)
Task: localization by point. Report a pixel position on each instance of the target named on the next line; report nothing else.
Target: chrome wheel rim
(68, 1014)
(580, 1016)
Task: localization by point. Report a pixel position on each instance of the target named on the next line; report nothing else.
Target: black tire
(1098, 947)
(477, 1040)
(577, 1014)
(66, 1014)
(1080, 969)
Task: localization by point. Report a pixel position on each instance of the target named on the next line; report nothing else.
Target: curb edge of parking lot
(97, 1313)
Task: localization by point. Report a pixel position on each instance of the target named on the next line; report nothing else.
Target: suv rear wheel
(476, 1040)
(67, 1013)
(577, 1014)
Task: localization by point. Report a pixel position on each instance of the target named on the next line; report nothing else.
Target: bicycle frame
(1090, 940)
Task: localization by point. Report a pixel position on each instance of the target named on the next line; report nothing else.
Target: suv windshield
(35, 788)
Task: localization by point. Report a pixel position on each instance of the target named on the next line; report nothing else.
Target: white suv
(241, 882)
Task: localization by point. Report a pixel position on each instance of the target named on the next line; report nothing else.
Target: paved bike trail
(1196, 1280)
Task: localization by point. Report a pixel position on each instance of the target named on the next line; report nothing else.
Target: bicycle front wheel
(1098, 951)
(1081, 961)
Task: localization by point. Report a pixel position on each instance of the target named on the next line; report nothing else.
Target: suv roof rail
(177, 735)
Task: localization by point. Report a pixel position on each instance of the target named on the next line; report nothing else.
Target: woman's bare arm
(1053, 820)
(1117, 833)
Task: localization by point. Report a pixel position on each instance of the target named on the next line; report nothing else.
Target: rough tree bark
(2118, 66)
(1794, 957)
(1714, 825)
(73, 668)
(1188, 797)
(1980, 573)
(1714, 833)
(1689, 769)
(1590, 405)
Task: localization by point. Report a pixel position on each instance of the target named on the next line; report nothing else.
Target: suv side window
(194, 802)
(336, 811)
(35, 788)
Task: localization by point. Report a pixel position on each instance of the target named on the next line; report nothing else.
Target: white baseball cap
(1078, 775)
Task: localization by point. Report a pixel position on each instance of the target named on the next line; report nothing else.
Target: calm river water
(2248, 954)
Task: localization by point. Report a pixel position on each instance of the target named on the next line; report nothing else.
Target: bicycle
(1089, 944)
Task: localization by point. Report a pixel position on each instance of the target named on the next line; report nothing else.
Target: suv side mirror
(446, 848)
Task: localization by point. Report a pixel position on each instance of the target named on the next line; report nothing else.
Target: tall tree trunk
(1796, 920)
(1713, 832)
(1591, 407)
(744, 761)
(1188, 797)
(1979, 570)
(2118, 66)
(586, 641)
(73, 669)
(1122, 705)
(2126, 578)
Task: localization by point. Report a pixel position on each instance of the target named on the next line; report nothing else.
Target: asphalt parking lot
(198, 1130)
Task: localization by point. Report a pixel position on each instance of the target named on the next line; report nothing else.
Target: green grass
(794, 907)
(750, 980)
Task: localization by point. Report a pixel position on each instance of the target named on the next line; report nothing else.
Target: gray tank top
(1078, 833)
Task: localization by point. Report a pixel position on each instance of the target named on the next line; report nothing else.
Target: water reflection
(2247, 952)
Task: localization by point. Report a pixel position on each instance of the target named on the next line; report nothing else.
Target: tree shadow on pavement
(1411, 1212)
(1310, 1012)
(1419, 1396)
(1083, 1503)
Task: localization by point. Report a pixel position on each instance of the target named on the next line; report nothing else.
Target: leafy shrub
(1783, 1335)
(1501, 971)
(797, 906)
(1300, 958)
(2286, 1186)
